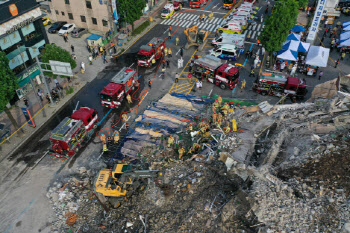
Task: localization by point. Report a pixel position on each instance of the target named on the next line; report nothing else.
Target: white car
(69, 27)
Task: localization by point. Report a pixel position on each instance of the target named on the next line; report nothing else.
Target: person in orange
(169, 28)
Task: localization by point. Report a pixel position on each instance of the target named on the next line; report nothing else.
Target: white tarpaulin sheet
(345, 35)
(317, 56)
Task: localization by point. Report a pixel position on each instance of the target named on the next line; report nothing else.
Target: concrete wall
(78, 8)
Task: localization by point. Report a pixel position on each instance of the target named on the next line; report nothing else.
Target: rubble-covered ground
(286, 169)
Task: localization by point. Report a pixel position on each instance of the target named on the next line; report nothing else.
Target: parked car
(56, 26)
(46, 20)
(78, 32)
(69, 27)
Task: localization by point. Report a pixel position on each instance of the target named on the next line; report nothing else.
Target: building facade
(90, 14)
(21, 27)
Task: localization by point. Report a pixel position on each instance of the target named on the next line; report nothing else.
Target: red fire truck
(152, 50)
(73, 132)
(228, 4)
(121, 84)
(211, 68)
(279, 85)
(178, 5)
(197, 3)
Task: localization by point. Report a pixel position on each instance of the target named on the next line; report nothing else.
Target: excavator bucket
(195, 37)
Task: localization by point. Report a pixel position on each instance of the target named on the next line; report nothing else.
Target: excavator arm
(189, 32)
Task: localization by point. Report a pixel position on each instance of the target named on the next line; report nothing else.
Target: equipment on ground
(270, 83)
(195, 37)
(122, 181)
(228, 4)
(211, 68)
(150, 51)
(72, 133)
(198, 3)
(120, 86)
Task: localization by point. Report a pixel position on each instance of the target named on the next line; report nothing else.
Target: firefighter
(128, 97)
(190, 128)
(219, 119)
(203, 17)
(181, 152)
(165, 52)
(219, 100)
(170, 141)
(170, 52)
(215, 115)
(104, 147)
(150, 83)
(213, 108)
(211, 15)
(216, 104)
(177, 40)
(203, 129)
(243, 84)
(234, 125)
(103, 138)
(125, 117)
(224, 109)
(153, 62)
(227, 128)
(116, 136)
(194, 149)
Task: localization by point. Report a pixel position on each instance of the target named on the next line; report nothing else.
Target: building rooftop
(23, 7)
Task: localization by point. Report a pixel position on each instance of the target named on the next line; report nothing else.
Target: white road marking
(212, 27)
(253, 35)
(258, 29)
(254, 27)
(215, 20)
(220, 22)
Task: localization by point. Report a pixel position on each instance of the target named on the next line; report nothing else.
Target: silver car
(78, 32)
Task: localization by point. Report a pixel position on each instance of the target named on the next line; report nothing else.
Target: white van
(232, 39)
(242, 20)
(167, 11)
(226, 52)
(233, 28)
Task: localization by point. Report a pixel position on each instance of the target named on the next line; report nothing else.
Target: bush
(70, 90)
(141, 28)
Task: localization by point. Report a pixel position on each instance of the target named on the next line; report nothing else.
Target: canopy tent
(317, 56)
(346, 23)
(344, 43)
(344, 35)
(298, 28)
(346, 27)
(293, 36)
(296, 46)
(288, 55)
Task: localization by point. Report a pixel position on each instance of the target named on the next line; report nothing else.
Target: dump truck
(275, 84)
(73, 133)
(195, 37)
(120, 182)
(120, 86)
(198, 3)
(152, 49)
(211, 69)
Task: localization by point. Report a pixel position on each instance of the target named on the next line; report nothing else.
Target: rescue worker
(219, 100)
(224, 109)
(190, 127)
(170, 141)
(128, 98)
(227, 128)
(213, 108)
(219, 119)
(116, 136)
(252, 73)
(211, 15)
(150, 83)
(203, 17)
(181, 152)
(216, 104)
(243, 84)
(234, 125)
(169, 35)
(170, 52)
(125, 117)
(177, 40)
(165, 52)
(153, 61)
(104, 147)
(195, 148)
(203, 129)
(215, 115)
(103, 138)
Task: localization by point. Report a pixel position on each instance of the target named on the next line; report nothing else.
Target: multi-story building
(90, 14)
(21, 27)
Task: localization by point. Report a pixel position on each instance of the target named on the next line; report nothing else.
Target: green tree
(56, 53)
(8, 87)
(130, 11)
(277, 27)
(302, 3)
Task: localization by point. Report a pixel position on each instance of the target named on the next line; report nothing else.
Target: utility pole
(44, 80)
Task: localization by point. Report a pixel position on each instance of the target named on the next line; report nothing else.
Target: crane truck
(73, 132)
(122, 181)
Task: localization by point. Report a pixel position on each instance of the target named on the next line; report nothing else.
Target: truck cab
(228, 4)
(87, 115)
(167, 11)
(152, 50)
(197, 3)
(177, 5)
(225, 52)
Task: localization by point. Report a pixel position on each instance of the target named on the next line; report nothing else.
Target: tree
(8, 87)
(56, 53)
(130, 11)
(277, 27)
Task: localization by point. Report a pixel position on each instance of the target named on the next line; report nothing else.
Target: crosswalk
(253, 31)
(186, 20)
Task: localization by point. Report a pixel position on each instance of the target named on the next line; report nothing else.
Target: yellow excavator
(120, 182)
(195, 37)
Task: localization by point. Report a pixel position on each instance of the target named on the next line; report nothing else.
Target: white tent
(344, 35)
(288, 55)
(344, 43)
(296, 46)
(317, 56)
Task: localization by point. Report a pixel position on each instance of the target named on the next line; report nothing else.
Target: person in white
(197, 84)
(180, 63)
(256, 61)
(294, 69)
(82, 66)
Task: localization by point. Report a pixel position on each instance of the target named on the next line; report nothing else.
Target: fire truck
(153, 49)
(197, 3)
(211, 68)
(280, 85)
(228, 4)
(121, 84)
(73, 132)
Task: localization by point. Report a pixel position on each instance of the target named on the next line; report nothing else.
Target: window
(70, 16)
(94, 20)
(57, 13)
(62, 12)
(220, 73)
(66, 2)
(88, 4)
(83, 19)
(104, 22)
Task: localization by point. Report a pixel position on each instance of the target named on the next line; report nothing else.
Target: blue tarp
(288, 55)
(293, 36)
(296, 46)
(94, 37)
(298, 28)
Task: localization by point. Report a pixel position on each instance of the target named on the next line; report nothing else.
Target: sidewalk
(7, 148)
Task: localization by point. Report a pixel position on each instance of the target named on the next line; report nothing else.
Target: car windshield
(195, 1)
(165, 11)
(228, 1)
(55, 25)
(64, 28)
(106, 97)
(142, 57)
